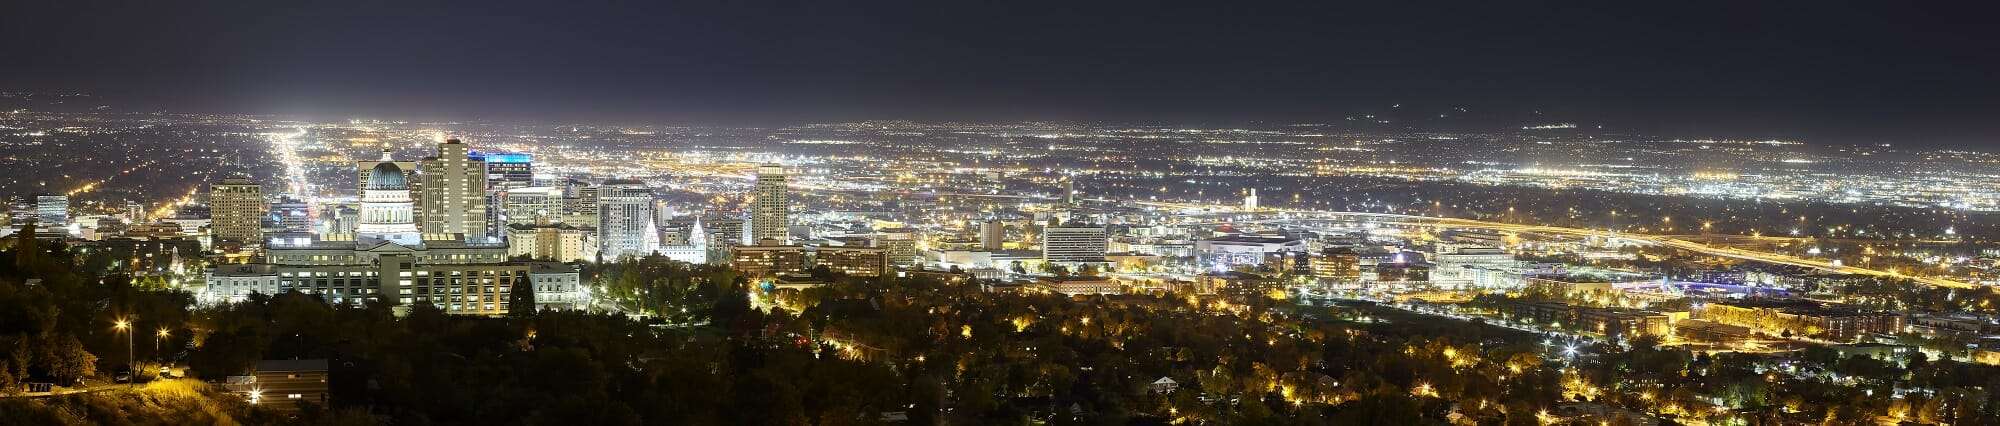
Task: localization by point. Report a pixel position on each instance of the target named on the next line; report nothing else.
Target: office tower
(533, 205)
(387, 212)
(134, 213)
(504, 171)
(290, 215)
(769, 213)
(1069, 191)
(20, 210)
(992, 234)
(236, 211)
(899, 244)
(454, 192)
(1250, 201)
(580, 205)
(725, 230)
(52, 211)
(1074, 244)
(507, 170)
(625, 218)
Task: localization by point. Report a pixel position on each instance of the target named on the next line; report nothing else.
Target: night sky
(1914, 73)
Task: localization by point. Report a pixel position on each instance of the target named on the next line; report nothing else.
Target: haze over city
(999, 213)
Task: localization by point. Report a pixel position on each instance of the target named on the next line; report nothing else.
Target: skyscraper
(625, 219)
(992, 234)
(290, 215)
(1070, 244)
(507, 170)
(580, 205)
(533, 205)
(454, 192)
(504, 171)
(236, 210)
(1069, 191)
(52, 211)
(899, 243)
(20, 210)
(770, 211)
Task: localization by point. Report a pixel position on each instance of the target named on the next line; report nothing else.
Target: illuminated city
(373, 259)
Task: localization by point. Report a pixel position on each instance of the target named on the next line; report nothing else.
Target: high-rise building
(504, 171)
(134, 212)
(770, 212)
(507, 170)
(387, 213)
(290, 215)
(900, 245)
(236, 211)
(52, 211)
(534, 205)
(625, 219)
(580, 205)
(1074, 244)
(992, 234)
(1069, 191)
(454, 192)
(20, 210)
(1250, 201)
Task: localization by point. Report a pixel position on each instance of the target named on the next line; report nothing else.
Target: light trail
(287, 148)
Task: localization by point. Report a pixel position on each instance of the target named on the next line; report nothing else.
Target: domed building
(388, 257)
(387, 212)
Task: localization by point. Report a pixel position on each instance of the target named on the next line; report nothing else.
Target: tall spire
(697, 237)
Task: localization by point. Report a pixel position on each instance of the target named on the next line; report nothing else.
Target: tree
(521, 300)
(67, 361)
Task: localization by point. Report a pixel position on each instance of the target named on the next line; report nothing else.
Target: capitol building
(388, 255)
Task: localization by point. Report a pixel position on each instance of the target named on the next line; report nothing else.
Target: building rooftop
(1252, 239)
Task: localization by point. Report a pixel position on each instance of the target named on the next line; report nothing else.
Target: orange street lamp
(125, 326)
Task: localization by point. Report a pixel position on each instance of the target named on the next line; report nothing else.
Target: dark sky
(1891, 71)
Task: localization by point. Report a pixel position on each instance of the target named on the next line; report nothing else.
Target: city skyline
(1161, 213)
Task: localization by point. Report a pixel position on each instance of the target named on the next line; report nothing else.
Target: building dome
(387, 176)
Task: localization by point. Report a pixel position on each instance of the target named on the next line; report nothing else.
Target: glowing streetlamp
(125, 326)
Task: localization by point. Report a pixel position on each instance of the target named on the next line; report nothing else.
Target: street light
(164, 334)
(125, 326)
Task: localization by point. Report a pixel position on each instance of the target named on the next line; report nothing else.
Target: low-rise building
(284, 385)
(1075, 286)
